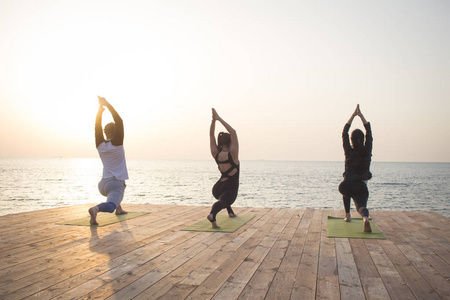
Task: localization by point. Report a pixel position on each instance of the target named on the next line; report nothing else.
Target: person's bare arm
(99, 138)
(212, 138)
(234, 146)
(119, 134)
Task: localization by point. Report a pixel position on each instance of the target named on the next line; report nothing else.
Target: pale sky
(285, 74)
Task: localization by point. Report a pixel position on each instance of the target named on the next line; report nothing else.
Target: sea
(35, 184)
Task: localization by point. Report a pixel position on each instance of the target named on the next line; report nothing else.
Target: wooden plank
(419, 286)
(280, 254)
(432, 247)
(327, 272)
(124, 282)
(283, 280)
(305, 279)
(434, 229)
(259, 270)
(350, 284)
(166, 284)
(127, 284)
(108, 285)
(107, 271)
(178, 291)
(98, 280)
(417, 272)
(75, 251)
(394, 283)
(63, 236)
(431, 275)
(370, 278)
(79, 263)
(205, 270)
(139, 286)
(217, 278)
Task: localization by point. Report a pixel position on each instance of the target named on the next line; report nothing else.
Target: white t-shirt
(113, 159)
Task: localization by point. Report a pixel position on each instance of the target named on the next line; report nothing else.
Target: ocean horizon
(28, 184)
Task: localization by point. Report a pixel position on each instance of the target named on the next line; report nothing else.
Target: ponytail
(223, 139)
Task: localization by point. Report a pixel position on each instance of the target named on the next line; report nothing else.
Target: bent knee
(344, 188)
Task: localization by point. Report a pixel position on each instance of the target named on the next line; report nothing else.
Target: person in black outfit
(226, 155)
(357, 168)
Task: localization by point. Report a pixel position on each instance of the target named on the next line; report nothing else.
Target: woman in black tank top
(226, 155)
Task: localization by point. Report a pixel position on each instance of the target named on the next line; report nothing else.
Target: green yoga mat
(337, 227)
(226, 224)
(103, 219)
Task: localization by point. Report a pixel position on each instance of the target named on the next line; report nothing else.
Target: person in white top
(112, 154)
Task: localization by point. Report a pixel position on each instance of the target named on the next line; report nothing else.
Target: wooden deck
(279, 254)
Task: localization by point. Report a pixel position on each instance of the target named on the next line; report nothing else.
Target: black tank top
(230, 161)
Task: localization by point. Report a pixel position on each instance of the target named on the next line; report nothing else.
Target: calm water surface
(32, 184)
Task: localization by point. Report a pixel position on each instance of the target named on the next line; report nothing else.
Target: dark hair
(110, 130)
(223, 138)
(357, 139)
(110, 127)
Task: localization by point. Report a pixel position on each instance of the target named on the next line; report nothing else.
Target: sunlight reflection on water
(31, 184)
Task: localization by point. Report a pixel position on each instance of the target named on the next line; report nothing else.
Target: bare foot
(120, 211)
(232, 215)
(93, 212)
(367, 227)
(348, 218)
(214, 224)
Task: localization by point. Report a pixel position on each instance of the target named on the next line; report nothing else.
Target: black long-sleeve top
(357, 162)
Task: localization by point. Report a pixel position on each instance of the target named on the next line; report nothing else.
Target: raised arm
(354, 114)
(361, 115)
(119, 134)
(369, 138)
(234, 146)
(99, 138)
(345, 136)
(212, 138)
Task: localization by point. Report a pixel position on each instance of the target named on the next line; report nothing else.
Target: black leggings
(225, 192)
(359, 192)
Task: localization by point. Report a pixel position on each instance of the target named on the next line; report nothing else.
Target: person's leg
(345, 190)
(114, 190)
(93, 211)
(360, 198)
(230, 211)
(215, 209)
(346, 201)
(217, 189)
(225, 200)
(217, 206)
(229, 197)
(106, 207)
(102, 207)
(121, 186)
